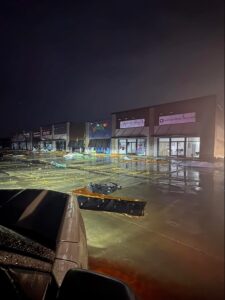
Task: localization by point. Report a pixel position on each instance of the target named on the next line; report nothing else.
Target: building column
(53, 136)
(114, 146)
(151, 146)
(41, 141)
(31, 140)
(67, 136)
(87, 138)
(114, 141)
(54, 145)
(152, 142)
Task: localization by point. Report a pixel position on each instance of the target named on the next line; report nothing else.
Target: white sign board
(178, 119)
(132, 123)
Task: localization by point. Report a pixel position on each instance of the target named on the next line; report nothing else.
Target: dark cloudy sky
(82, 60)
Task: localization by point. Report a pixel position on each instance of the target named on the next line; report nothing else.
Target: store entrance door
(180, 148)
(131, 146)
(177, 147)
(173, 149)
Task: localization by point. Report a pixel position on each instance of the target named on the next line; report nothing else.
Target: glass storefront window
(193, 139)
(141, 146)
(132, 146)
(179, 146)
(15, 146)
(48, 146)
(164, 147)
(122, 146)
(178, 139)
(23, 146)
(193, 147)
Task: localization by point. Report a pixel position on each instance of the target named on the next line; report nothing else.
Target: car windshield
(29, 212)
(18, 247)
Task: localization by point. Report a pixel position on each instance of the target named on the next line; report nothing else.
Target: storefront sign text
(132, 123)
(178, 119)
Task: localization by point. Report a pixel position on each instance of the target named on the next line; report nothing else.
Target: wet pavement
(176, 251)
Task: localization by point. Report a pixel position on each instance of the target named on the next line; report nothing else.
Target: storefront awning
(132, 132)
(192, 129)
(99, 143)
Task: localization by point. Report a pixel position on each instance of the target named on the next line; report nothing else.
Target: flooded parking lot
(175, 251)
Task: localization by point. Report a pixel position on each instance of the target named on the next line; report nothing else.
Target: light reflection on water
(168, 175)
(184, 205)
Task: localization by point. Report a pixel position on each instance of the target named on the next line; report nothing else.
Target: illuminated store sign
(132, 123)
(98, 126)
(178, 119)
(100, 130)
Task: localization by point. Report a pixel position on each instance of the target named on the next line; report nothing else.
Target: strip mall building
(63, 136)
(191, 128)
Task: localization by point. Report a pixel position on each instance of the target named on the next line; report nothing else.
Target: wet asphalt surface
(175, 251)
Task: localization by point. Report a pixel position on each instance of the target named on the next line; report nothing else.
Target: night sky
(81, 60)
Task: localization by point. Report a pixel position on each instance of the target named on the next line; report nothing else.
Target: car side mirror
(84, 285)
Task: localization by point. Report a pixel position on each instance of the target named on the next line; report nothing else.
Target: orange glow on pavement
(144, 288)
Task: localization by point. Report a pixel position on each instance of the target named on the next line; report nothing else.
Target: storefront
(99, 146)
(185, 129)
(179, 128)
(36, 140)
(60, 145)
(76, 135)
(98, 136)
(47, 138)
(132, 146)
(179, 146)
(61, 136)
(22, 141)
(130, 131)
(64, 136)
